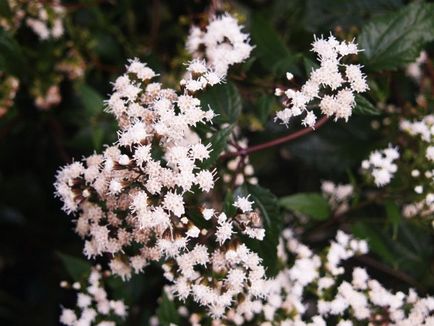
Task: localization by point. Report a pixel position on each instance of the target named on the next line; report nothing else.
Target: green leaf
(269, 47)
(264, 107)
(394, 40)
(375, 240)
(166, 312)
(364, 107)
(92, 101)
(272, 223)
(11, 57)
(323, 15)
(77, 268)
(5, 10)
(410, 251)
(310, 204)
(224, 100)
(218, 143)
(228, 206)
(393, 216)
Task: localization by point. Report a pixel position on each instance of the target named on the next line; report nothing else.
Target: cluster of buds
(93, 305)
(381, 165)
(46, 19)
(239, 168)
(338, 195)
(422, 131)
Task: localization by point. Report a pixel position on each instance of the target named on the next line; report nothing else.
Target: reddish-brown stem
(366, 260)
(277, 141)
(430, 67)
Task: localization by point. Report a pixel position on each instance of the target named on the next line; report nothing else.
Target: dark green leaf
(363, 106)
(410, 251)
(393, 216)
(218, 143)
(5, 10)
(327, 14)
(11, 56)
(228, 206)
(166, 312)
(310, 204)
(396, 39)
(224, 100)
(272, 220)
(77, 268)
(92, 101)
(264, 107)
(269, 47)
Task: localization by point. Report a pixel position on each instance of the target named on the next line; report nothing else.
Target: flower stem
(277, 141)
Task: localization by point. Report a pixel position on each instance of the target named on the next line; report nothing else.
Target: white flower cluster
(93, 304)
(336, 301)
(332, 86)
(223, 41)
(337, 195)
(236, 270)
(51, 98)
(423, 171)
(47, 22)
(381, 165)
(240, 170)
(130, 199)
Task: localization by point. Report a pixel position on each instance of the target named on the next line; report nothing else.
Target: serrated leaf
(323, 15)
(218, 143)
(269, 47)
(77, 268)
(224, 100)
(166, 312)
(394, 40)
(272, 222)
(409, 251)
(363, 106)
(310, 204)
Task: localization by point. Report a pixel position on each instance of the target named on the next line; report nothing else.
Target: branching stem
(277, 141)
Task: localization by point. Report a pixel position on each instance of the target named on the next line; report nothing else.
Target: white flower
(243, 204)
(208, 213)
(224, 232)
(174, 203)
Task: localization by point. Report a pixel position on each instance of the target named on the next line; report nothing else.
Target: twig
(215, 7)
(156, 22)
(275, 142)
(430, 68)
(387, 270)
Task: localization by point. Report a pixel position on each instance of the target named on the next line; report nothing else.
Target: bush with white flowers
(217, 163)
